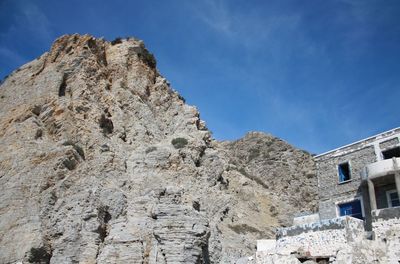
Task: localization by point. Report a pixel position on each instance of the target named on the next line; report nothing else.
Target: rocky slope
(102, 162)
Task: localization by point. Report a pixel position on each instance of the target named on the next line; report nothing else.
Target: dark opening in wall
(196, 205)
(393, 198)
(344, 172)
(352, 208)
(63, 87)
(104, 217)
(205, 255)
(391, 153)
(106, 124)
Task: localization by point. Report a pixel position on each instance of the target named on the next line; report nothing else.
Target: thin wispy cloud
(34, 21)
(10, 55)
(251, 28)
(317, 73)
(27, 29)
(215, 14)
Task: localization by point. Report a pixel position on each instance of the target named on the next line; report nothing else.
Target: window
(344, 172)
(352, 208)
(393, 198)
(391, 153)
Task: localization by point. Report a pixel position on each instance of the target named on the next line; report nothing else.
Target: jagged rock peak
(80, 44)
(103, 162)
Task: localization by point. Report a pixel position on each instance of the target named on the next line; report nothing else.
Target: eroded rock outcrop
(102, 162)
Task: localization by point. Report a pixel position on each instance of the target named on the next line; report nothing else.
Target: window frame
(386, 150)
(357, 198)
(389, 201)
(338, 174)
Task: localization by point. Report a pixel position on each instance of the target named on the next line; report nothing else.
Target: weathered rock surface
(102, 162)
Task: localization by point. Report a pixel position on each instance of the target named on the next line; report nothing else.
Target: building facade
(360, 177)
(359, 209)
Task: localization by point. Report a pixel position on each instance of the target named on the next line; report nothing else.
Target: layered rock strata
(102, 162)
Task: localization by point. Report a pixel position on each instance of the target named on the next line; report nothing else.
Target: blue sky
(317, 73)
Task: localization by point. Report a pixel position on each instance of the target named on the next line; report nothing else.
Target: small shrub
(243, 172)
(76, 147)
(273, 211)
(69, 163)
(179, 143)
(4, 79)
(117, 40)
(148, 58)
(39, 255)
(38, 134)
(254, 153)
(182, 98)
(305, 152)
(123, 84)
(150, 149)
(91, 44)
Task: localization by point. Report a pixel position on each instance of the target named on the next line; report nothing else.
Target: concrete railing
(385, 214)
(323, 225)
(323, 238)
(386, 226)
(380, 168)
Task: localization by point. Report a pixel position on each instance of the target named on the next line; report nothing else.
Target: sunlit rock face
(102, 162)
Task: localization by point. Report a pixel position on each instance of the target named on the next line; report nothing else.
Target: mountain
(101, 161)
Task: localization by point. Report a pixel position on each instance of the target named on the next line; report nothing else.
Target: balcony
(380, 168)
(385, 214)
(385, 222)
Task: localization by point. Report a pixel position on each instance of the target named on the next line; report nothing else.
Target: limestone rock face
(102, 162)
(286, 173)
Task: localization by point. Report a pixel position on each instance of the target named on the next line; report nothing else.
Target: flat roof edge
(357, 142)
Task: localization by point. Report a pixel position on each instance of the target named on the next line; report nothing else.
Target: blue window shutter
(342, 210)
(341, 174)
(352, 208)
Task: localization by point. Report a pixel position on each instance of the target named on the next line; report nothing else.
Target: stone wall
(386, 227)
(331, 191)
(389, 143)
(306, 219)
(386, 223)
(336, 241)
(323, 238)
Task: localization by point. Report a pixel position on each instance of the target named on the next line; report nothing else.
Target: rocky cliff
(102, 162)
